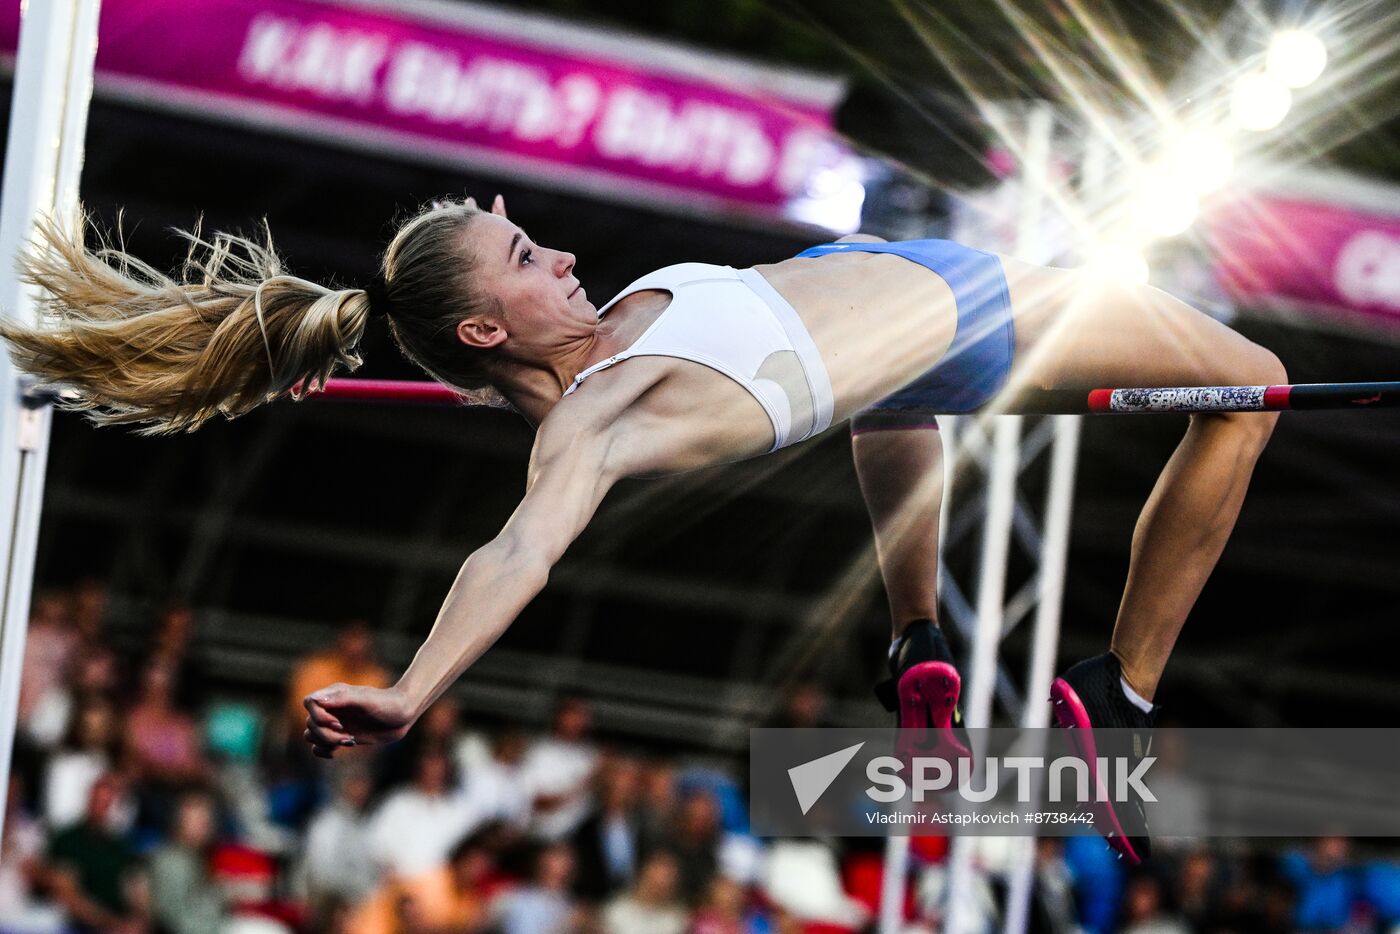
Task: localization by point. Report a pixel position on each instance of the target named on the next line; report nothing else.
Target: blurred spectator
(97, 671)
(174, 631)
(729, 796)
(862, 874)
(1326, 884)
(233, 734)
(415, 827)
(163, 740)
(1098, 881)
(1182, 804)
(494, 786)
(1277, 902)
(740, 858)
(91, 749)
(1257, 900)
(296, 777)
(436, 729)
(543, 906)
(607, 844)
(20, 864)
(382, 913)
(723, 910)
(338, 862)
(804, 706)
(338, 917)
(233, 731)
(248, 879)
(351, 660)
(184, 899)
(92, 672)
(91, 602)
(652, 906)
(659, 801)
(657, 842)
(801, 878)
(1054, 891)
(472, 749)
(452, 898)
(1195, 889)
(1380, 887)
(94, 873)
(442, 725)
(163, 747)
(48, 648)
(695, 842)
(1143, 911)
(173, 641)
(559, 769)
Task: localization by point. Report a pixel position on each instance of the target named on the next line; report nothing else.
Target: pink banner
(1342, 262)
(461, 93)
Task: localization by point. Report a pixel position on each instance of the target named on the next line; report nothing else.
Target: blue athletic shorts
(977, 363)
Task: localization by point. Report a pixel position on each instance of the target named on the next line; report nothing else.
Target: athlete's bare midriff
(878, 321)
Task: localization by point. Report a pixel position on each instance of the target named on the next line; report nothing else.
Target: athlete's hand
(353, 715)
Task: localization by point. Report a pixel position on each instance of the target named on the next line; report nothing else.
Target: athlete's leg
(901, 479)
(899, 462)
(1073, 333)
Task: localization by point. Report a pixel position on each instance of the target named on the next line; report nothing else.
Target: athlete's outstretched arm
(569, 475)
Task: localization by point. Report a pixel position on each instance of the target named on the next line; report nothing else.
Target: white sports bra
(733, 321)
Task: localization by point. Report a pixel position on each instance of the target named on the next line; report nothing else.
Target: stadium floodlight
(1164, 203)
(1118, 262)
(833, 197)
(1259, 102)
(1201, 159)
(1296, 57)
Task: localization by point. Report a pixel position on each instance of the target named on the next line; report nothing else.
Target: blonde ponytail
(133, 345)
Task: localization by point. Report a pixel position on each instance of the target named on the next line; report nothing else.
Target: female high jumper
(689, 366)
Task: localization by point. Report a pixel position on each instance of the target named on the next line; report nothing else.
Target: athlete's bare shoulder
(861, 238)
(601, 412)
(659, 415)
(598, 402)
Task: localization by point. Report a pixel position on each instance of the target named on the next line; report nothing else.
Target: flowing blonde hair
(233, 329)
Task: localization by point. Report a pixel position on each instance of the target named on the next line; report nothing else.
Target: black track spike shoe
(923, 690)
(1090, 696)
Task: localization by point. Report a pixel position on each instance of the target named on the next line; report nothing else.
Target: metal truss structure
(43, 160)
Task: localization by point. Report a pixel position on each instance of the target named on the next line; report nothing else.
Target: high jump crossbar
(1181, 399)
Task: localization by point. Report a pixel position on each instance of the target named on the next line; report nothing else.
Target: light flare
(1118, 262)
(1258, 102)
(1201, 159)
(1296, 58)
